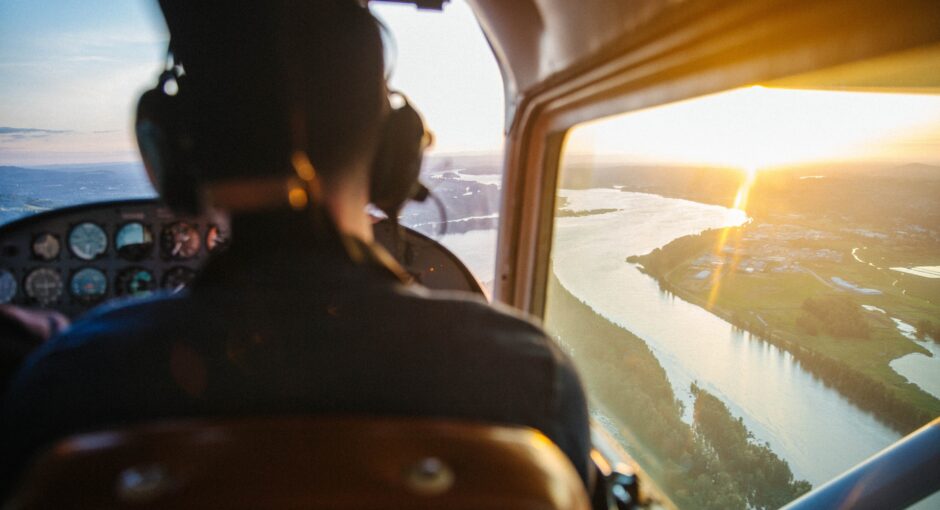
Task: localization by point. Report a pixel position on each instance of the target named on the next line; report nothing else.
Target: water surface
(809, 425)
(816, 430)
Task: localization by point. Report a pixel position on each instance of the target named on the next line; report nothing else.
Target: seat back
(361, 463)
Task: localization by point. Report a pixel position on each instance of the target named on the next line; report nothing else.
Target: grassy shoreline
(697, 465)
(889, 397)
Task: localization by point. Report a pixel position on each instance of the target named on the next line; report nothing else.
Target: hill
(25, 191)
(912, 171)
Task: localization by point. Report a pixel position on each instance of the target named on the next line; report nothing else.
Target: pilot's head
(264, 81)
(263, 73)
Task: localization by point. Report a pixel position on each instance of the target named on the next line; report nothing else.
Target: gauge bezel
(71, 247)
(219, 245)
(147, 228)
(16, 285)
(33, 299)
(165, 253)
(36, 256)
(119, 289)
(165, 275)
(87, 299)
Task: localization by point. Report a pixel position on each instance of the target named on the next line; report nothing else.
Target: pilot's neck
(346, 202)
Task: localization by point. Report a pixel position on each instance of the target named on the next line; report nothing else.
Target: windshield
(72, 73)
(749, 282)
(444, 64)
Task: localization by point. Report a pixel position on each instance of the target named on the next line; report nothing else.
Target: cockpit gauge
(179, 241)
(44, 286)
(135, 281)
(46, 246)
(89, 285)
(88, 241)
(178, 278)
(133, 241)
(7, 286)
(216, 239)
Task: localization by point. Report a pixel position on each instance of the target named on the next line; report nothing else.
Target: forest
(835, 315)
(662, 260)
(764, 477)
(695, 465)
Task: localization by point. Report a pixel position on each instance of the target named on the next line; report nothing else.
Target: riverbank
(698, 465)
(767, 304)
(816, 429)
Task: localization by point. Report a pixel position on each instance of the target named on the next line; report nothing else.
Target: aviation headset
(165, 137)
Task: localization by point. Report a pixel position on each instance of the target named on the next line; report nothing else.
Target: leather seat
(295, 462)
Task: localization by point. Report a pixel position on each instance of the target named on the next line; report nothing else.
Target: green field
(769, 303)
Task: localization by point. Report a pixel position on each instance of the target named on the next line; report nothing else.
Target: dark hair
(269, 77)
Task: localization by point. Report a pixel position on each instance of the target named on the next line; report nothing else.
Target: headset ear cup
(151, 136)
(397, 163)
(165, 148)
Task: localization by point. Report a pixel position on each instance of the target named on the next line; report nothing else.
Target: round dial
(216, 239)
(178, 278)
(135, 281)
(44, 286)
(179, 241)
(89, 285)
(7, 286)
(88, 241)
(134, 241)
(46, 246)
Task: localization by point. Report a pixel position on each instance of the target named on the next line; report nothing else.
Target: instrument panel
(74, 258)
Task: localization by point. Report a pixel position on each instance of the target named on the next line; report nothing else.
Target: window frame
(675, 57)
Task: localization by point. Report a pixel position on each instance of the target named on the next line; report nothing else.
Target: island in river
(814, 273)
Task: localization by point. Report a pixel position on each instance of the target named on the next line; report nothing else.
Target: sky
(71, 72)
(758, 127)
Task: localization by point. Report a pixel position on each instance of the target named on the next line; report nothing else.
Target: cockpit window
(749, 282)
(71, 73)
(442, 62)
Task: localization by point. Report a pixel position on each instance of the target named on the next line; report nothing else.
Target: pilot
(281, 117)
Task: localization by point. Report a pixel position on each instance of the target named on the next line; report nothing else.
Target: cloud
(31, 132)
(13, 134)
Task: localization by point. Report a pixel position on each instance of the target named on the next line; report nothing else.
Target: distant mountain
(917, 171)
(135, 166)
(476, 163)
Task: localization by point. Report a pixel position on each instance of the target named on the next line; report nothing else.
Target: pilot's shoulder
(466, 314)
(106, 340)
(113, 321)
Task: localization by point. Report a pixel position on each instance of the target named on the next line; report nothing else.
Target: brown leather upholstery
(305, 463)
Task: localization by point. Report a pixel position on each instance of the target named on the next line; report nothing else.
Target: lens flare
(731, 257)
(740, 200)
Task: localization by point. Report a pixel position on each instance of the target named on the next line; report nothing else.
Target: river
(817, 431)
(916, 367)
